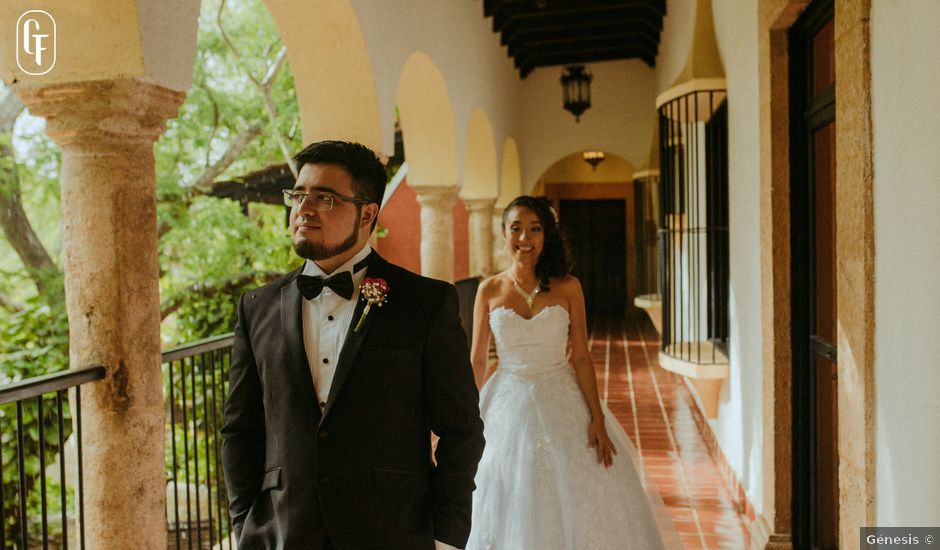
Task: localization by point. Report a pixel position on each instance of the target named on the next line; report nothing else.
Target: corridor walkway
(657, 411)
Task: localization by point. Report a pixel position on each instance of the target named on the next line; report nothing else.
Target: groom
(340, 371)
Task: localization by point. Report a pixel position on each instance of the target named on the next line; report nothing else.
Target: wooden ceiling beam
(493, 8)
(580, 57)
(598, 26)
(579, 19)
(518, 47)
(564, 32)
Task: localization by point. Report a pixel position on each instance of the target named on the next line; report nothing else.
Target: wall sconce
(593, 158)
(576, 87)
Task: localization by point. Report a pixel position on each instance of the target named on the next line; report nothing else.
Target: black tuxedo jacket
(360, 474)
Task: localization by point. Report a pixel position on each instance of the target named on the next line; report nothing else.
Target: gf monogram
(35, 42)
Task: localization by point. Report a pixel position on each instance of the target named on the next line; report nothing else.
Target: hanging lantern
(576, 86)
(593, 158)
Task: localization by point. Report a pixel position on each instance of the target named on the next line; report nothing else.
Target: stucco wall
(402, 217)
(906, 122)
(620, 120)
(739, 425)
(674, 42)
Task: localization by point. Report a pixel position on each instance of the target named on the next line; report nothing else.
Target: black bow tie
(311, 286)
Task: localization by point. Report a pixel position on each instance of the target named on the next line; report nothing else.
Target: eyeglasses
(320, 200)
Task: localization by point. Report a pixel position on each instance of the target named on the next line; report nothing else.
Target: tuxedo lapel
(354, 340)
(292, 321)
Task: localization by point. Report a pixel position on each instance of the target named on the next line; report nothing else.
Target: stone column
(106, 131)
(481, 235)
(437, 230)
(501, 258)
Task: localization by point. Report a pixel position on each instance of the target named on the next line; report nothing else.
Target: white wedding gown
(539, 486)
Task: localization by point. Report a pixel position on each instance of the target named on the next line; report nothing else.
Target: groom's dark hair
(364, 167)
(555, 260)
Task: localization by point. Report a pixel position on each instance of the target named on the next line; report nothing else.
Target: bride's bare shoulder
(492, 285)
(567, 285)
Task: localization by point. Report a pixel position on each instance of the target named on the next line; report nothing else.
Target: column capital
(103, 115)
(436, 195)
(650, 174)
(479, 205)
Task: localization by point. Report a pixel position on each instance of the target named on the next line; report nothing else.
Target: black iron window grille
(693, 227)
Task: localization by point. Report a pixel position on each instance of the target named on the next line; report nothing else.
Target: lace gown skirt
(539, 486)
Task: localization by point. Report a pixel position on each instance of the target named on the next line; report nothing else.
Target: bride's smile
(524, 235)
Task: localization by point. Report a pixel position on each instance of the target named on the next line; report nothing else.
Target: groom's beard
(319, 251)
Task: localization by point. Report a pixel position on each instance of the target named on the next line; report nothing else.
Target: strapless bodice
(530, 346)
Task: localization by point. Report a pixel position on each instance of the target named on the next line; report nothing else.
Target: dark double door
(813, 206)
(596, 230)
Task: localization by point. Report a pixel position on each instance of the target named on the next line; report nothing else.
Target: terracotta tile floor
(655, 408)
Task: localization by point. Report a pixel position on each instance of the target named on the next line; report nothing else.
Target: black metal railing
(41, 487)
(40, 444)
(195, 382)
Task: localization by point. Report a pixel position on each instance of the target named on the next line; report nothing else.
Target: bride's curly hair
(555, 260)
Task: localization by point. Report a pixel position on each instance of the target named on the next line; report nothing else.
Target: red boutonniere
(374, 292)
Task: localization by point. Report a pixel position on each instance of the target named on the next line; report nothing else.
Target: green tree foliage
(208, 243)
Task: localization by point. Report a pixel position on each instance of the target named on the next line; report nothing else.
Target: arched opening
(595, 207)
(333, 75)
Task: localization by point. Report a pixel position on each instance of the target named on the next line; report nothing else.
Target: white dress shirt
(326, 320)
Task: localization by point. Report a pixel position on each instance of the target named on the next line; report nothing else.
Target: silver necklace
(528, 297)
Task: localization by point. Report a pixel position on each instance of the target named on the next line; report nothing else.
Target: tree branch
(13, 220)
(271, 108)
(206, 180)
(10, 305)
(10, 108)
(264, 86)
(231, 45)
(208, 290)
(215, 118)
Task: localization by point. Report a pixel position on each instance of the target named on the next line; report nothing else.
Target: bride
(556, 472)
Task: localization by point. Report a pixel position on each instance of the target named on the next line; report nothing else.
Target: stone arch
(510, 177)
(154, 42)
(427, 123)
(481, 179)
(333, 75)
(572, 168)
